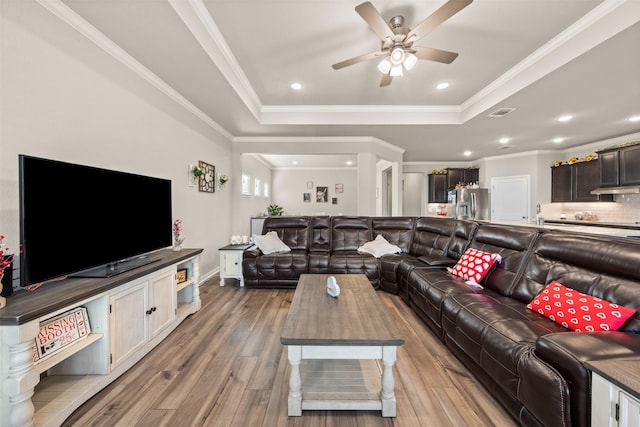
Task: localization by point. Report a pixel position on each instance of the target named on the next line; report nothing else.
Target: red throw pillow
(473, 265)
(577, 311)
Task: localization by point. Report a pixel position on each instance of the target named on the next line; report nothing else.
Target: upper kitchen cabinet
(437, 188)
(620, 166)
(573, 183)
(462, 176)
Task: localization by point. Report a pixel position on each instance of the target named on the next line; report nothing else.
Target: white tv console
(129, 314)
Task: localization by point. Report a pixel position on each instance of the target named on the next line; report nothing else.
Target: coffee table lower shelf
(349, 378)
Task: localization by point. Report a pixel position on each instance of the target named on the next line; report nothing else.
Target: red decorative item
(577, 311)
(474, 265)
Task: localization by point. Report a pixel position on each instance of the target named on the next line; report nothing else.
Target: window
(266, 189)
(246, 184)
(257, 189)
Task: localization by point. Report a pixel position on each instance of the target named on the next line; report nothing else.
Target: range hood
(624, 189)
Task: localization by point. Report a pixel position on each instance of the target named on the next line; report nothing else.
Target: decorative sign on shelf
(181, 275)
(60, 331)
(207, 181)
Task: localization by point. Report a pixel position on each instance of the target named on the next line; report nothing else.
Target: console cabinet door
(127, 322)
(162, 301)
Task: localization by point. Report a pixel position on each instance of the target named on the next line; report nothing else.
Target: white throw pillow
(378, 247)
(270, 243)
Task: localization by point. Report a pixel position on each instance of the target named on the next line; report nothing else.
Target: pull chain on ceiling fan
(397, 48)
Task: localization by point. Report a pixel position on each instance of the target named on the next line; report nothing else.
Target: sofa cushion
(577, 311)
(270, 243)
(378, 247)
(474, 265)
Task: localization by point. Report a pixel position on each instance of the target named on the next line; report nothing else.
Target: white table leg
(295, 381)
(387, 395)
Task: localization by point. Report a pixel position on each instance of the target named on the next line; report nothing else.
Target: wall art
(322, 194)
(207, 181)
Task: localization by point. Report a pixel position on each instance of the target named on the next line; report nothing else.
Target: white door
(510, 198)
(412, 190)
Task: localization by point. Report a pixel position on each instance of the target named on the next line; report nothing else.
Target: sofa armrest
(252, 252)
(434, 260)
(568, 351)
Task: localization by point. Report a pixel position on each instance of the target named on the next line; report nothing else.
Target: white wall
(63, 98)
(291, 184)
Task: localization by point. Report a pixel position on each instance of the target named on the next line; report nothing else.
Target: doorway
(510, 198)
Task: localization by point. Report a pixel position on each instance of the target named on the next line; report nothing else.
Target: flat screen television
(78, 220)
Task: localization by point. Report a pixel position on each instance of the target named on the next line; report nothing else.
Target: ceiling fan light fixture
(396, 71)
(384, 66)
(409, 61)
(397, 56)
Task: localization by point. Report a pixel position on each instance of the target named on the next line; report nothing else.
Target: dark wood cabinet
(462, 175)
(561, 188)
(609, 170)
(630, 165)
(438, 188)
(573, 183)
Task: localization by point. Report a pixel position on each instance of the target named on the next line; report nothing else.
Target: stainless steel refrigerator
(470, 203)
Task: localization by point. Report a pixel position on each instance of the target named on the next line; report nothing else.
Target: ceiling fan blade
(432, 54)
(371, 15)
(445, 12)
(386, 80)
(355, 60)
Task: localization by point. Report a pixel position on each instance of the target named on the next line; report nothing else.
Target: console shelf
(129, 315)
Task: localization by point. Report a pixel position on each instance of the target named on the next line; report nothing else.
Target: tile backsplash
(624, 210)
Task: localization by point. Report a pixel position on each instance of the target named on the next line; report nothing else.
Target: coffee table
(335, 345)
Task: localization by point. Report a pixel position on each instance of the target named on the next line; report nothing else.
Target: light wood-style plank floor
(225, 366)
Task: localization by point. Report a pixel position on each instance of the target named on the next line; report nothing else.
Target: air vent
(505, 147)
(501, 112)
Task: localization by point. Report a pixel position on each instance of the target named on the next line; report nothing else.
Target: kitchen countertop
(616, 230)
(627, 226)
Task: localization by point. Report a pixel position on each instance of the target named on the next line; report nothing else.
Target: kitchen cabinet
(630, 165)
(573, 183)
(620, 166)
(438, 188)
(439, 184)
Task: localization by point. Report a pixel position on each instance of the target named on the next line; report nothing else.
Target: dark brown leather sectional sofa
(532, 365)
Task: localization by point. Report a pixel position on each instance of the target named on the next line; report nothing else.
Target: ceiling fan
(397, 48)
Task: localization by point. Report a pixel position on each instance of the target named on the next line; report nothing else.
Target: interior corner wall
(63, 98)
(290, 186)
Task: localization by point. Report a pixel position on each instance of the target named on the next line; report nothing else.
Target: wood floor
(225, 366)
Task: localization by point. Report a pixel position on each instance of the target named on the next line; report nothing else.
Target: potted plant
(275, 210)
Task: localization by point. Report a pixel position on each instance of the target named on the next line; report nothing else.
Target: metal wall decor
(207, 181)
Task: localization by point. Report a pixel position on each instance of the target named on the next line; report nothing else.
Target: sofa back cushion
(349, 233)
(512, 243)
(431, 235)
(603, 266)
(463, 232)
(293, 231)
(396, 230)
(320, 234)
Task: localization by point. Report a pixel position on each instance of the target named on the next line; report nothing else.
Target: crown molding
(78, 23)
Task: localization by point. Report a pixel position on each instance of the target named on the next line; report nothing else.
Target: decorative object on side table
(177, 235)
(6, 261)
(275, 210)
(206, 181)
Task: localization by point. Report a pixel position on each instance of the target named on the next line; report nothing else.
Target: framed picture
(339, 188)
(334, 200)
(306, 197)
(322, 194)
(309, 185)
(181, 275)
(207, 181)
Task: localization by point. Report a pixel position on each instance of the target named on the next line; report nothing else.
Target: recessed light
(295, 162)
(296, 86)
(467, 153)
(442, 85)
(558, 140)
(349, 162)
(634, 119)
(503, 140)
(565, 118)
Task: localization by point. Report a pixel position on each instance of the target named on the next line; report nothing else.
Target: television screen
(84, 220)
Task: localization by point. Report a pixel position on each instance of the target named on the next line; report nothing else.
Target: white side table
(231, 262)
